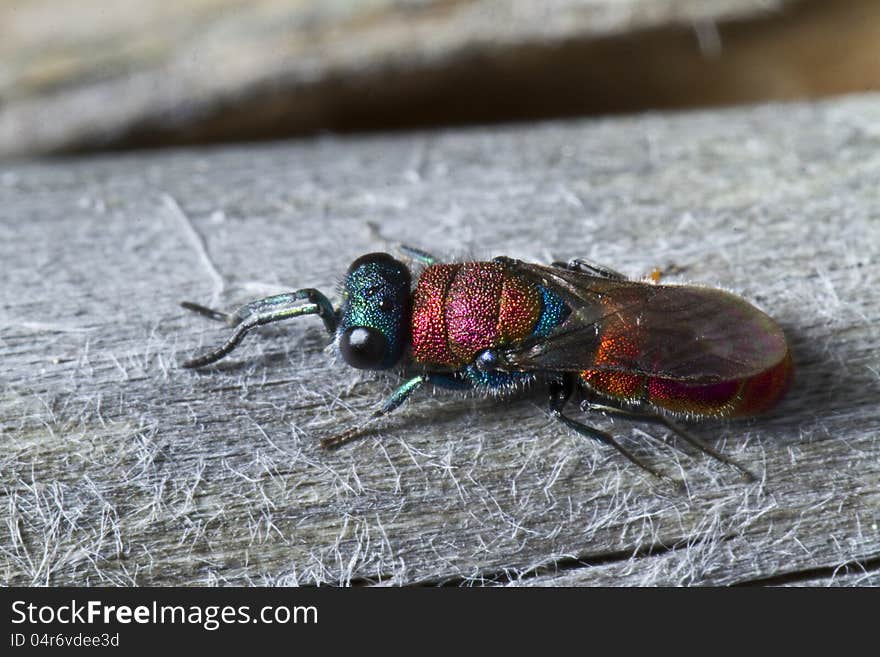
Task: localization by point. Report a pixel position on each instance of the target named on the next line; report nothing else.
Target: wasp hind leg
(656, 418)
(592, 268)
(560, 390)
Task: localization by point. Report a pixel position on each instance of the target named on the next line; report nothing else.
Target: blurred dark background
(98, 74)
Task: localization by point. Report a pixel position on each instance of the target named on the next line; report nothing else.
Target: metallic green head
(375, 312)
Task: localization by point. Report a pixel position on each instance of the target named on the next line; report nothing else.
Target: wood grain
(88, 76)
(119, 467)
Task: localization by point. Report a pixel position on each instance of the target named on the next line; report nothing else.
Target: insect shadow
(828, 385)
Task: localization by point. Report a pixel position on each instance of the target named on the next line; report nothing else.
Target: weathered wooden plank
(849, 578)
(120, 467)
(88, 75)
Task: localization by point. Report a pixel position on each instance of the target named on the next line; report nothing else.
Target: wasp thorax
(375, 312)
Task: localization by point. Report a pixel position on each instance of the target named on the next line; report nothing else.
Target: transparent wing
(677, 332)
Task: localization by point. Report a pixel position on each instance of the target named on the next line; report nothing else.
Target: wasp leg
(688, 437)
(393, 402)
(210, 313)
(263, 311)
(411, 252)
(560, 391)
(589, 267)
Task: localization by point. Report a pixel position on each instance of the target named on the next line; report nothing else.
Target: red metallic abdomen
(461, 309)
(734, 398)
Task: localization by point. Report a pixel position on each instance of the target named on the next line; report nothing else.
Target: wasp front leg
(276, 308)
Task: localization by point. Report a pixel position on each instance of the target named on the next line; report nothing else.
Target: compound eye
(363, 347)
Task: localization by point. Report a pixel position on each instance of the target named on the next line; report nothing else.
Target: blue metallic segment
(555, 312)
(450, 382)
(495, 379)
(470, 377)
